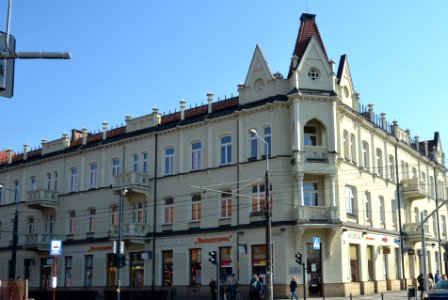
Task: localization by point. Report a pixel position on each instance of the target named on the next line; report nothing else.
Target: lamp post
(119, 249)
(15, 238)
(269, 283)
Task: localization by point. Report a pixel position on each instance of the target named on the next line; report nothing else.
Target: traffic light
(213, 259)
(299, 258)
(7, 67)
(119, 260)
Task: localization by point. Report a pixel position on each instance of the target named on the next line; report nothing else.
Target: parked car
(439, 291)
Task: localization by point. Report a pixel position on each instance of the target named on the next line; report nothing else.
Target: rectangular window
(30, 225)
(379, 162)
(310, 133)
(268, 139)
(88, 271)
(382, 212)
(49, 224)
(48, 181)
(195, 267)
(354, 263)
(370, 256)
(196, 207)
(365, 155)
(349, 200)
(353, 148)
(346, 145)
(135, 163)
(258, 198)
(226, 205)
(196, 153)
(443, 226)
(115, 167)
(16, 191)
(253, 147)
(145, 163)
(92, 213)
(169, 210)
(395, 213)
(55, 175)
(169, 161)
(114, 215)
(33, 183)
(259, 260)
(139, 213)
(68, 271)
(226, 150)
(72, 222)
(73, 179)
(391, 168)
(93, 175)
(167, 265)
(137, 269)
(368, 208)
(311, 194)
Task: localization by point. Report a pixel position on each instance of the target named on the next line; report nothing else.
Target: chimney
(417, 142)
(182, 109)
(371, 115)
(426, 148)
(10, 153)
(395, 128)
(43, 141)
(105, 129)
(127, 118)
(25, 152)
(383, 121)
(209, 101)
(434, 153)
(84, 135)
(155, 116)
(408, 133)
(65, 140)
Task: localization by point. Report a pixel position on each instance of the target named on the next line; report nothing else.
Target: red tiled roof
(308, 28)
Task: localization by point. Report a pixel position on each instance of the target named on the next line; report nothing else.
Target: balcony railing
(316, 214)
(42, 197)
(413, 229)
(413, 189)
(131, 230)
(316, 153)
(37, 240)
(131, 179)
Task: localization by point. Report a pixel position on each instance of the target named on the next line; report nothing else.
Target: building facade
(348, 190)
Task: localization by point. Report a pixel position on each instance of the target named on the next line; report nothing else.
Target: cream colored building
(348, 188)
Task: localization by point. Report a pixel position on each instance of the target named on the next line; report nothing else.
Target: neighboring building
(195, 183)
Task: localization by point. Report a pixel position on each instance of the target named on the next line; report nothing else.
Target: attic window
(314, 74)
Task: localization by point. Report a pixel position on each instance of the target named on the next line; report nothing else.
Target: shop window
(195, 267)
(370, 256)
(354, 263)
(88, 271)
(259, 260)
(137, 269)
(225, 258)
(111, 270)
(46, 264)
(68, 271)
(167, 264)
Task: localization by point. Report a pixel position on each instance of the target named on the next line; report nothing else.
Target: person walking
(213, 287)
(430, 281)
(421, 285)
(293, 288)
(436, 277)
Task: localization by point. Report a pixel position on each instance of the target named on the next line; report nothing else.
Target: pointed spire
(308, 28)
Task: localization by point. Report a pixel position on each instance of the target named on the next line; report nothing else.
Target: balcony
(38, 241)
(316, 154)
(413, 189)
(316, 214)
(413, 231)
(42, 198)
(131, 232)
(131, 180)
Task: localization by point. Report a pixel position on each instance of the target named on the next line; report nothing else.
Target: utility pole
(119, 256)
(8, 57)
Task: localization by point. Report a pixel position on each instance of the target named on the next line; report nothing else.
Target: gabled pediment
(344, 83)
(258, 69)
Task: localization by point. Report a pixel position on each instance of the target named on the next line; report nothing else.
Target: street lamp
(269, 284)
(119, 249)
(12, 267)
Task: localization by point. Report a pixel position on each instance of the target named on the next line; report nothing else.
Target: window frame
(196, 155)
(225, 157)
(169, 160)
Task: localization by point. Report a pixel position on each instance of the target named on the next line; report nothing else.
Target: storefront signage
(213, 240)
(100, 248)
(173, 242)
(354, 235)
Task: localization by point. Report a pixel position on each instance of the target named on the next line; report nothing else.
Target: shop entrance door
(314, 270)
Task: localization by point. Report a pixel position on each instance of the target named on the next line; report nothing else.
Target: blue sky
(129, 56)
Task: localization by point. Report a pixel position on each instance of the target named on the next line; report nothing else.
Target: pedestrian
(293, 288)
(213, 288)
(443, 276)
(256, 288)
(421, 285)
(430, 281)
(436, 277)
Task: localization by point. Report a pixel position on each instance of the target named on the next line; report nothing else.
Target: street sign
(316, 243)
(55, 247)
